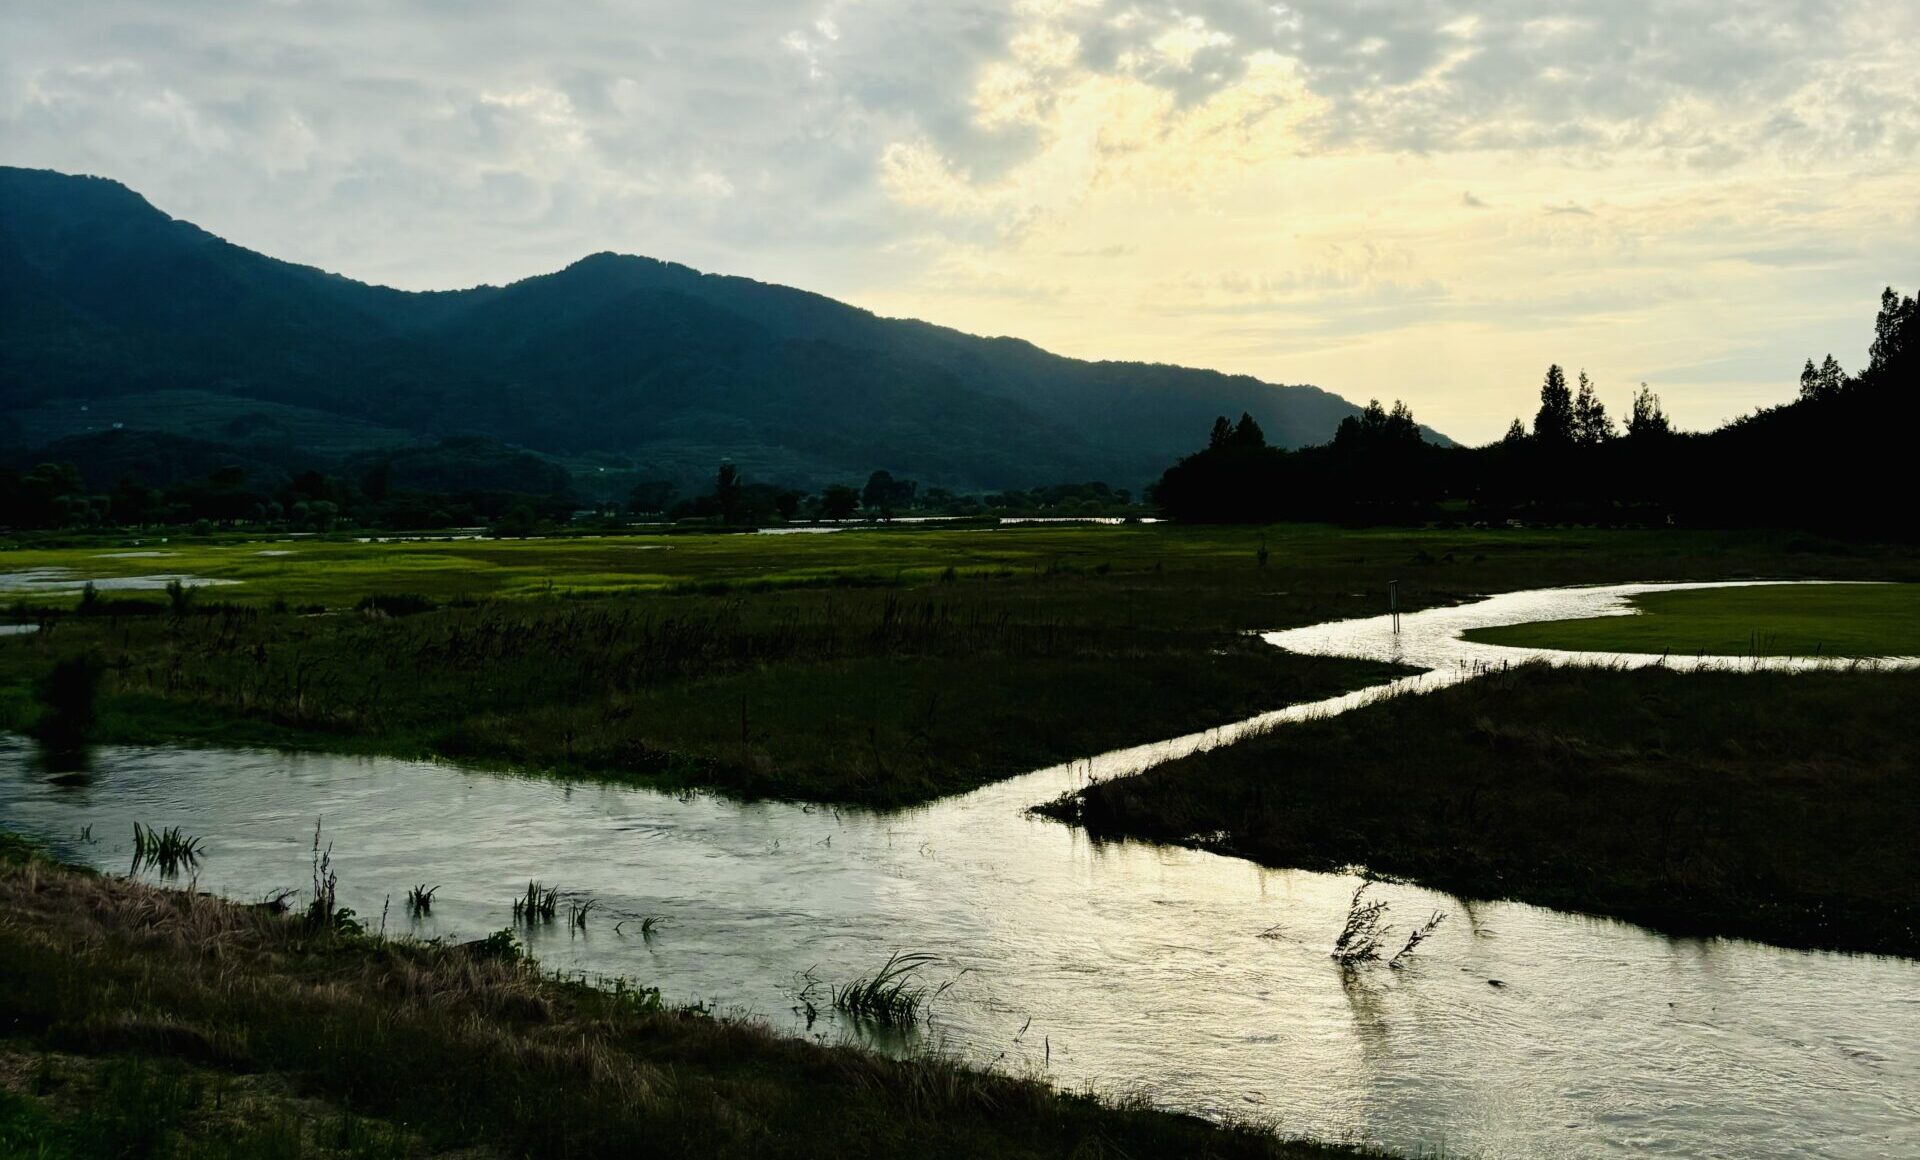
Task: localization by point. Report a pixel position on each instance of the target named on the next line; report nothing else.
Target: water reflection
(1130, 966)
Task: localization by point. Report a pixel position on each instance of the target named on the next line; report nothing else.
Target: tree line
(1831, 460)
(473, 483)
(735, 501)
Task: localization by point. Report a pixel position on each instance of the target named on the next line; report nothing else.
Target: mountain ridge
(112, 304)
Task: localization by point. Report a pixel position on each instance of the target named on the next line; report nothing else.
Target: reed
(892, 996)
(169, 851)
(538, 905)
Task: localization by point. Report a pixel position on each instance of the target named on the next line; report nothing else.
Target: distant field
(1856, 620)
(881, 666)
(1345, 566)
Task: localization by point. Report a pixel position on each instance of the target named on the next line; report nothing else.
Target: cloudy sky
(1426, 199)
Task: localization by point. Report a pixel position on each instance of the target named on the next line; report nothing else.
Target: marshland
(601, 755)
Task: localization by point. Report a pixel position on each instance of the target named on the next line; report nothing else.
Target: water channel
(1198, 980)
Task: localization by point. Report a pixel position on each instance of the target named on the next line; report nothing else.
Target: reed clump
(892, 996)
(169, 851)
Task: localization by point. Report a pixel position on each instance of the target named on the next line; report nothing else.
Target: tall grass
(538, 905)
(169, 851)
(892, 996)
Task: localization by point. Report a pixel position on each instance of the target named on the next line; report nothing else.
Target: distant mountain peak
(647, 361)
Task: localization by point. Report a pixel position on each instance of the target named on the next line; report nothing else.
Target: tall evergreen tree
(1896, 332)
(1833, 380)
(1247, 433)
(1553, 423)
(1647, 418)
(1591, 426)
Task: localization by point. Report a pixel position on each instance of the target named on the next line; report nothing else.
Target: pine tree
(1810, 381)
(1554, 421)
(1591, 426)
(1647, 418)
(1833, 380)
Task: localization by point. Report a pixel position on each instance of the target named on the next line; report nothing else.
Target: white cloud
(1653, 185)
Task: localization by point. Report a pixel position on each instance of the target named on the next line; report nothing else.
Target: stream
(1200, 981)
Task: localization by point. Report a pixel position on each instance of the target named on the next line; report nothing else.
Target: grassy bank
(142, 1022)
(1847, 620)
(879, 667)
(1780, 807)
(870, 696)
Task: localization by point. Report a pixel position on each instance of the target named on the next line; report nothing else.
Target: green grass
(1848, 620)
(881, 667)
(874, 697)
(337, 572)
(150, 1023)
(1768, 805)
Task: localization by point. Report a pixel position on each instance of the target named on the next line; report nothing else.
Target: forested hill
(113, 313)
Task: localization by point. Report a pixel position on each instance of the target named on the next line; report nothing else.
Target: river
(1200, 981)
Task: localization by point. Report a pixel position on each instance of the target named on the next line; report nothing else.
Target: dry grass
(456, 1046)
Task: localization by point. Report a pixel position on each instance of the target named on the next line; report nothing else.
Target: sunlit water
(33, 581)
(1127, 966)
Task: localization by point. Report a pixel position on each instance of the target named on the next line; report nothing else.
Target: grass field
(1849, 620)
(879, 667)
(1432, 565)
(163, 1025)
(1768, 805)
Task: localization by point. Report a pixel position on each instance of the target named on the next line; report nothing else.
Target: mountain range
(116, 318)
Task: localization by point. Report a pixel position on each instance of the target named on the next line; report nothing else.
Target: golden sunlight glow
(1236, 230)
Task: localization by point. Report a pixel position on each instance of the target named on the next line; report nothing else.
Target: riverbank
(874, 698)
(1778, 807)
(1837, 620)
(154, 1022)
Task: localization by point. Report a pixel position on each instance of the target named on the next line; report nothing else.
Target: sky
(1419, 199)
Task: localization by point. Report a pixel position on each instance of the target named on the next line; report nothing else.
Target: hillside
(113, 313)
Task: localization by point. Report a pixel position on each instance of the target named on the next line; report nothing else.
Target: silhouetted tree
(1647, 418)
(1833, 380)
(1823, 383)
(838, 502)
(1591, 426)
(885, 494)
(1553, 423)
(1222, 433)
(1896, 331)
(1247, 433)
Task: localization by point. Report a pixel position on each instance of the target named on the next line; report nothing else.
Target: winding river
(1197, 980)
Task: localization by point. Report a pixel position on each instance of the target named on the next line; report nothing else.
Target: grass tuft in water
(538, 905)
(891, 996)
(169, 851)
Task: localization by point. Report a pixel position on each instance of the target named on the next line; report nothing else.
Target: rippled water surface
(1128, 966)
